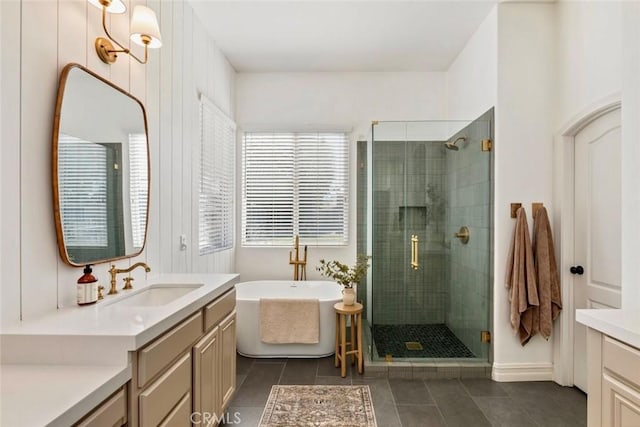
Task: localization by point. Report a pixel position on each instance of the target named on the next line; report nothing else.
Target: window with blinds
(217, 157)
(82, 183)
(295, 183)
(138, 186)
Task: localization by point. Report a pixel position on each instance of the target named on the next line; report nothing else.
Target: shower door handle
(414, 252)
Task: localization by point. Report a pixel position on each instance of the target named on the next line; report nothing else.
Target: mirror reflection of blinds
(138, 191)
(217, 157)
(295, 183)
(82, 183)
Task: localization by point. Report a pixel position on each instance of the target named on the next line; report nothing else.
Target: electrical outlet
(183, 242)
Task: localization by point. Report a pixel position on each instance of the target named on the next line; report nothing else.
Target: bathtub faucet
(299, 265)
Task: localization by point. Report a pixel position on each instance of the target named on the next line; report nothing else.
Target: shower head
(452, 145)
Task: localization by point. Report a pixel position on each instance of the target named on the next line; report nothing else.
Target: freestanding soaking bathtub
(248, 296)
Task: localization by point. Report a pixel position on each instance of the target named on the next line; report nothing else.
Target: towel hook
(535, 206)
(514, 209)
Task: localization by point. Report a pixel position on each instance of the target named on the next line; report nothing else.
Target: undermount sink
(157, 295)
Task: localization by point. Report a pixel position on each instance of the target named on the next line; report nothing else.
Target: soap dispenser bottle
(87, 288)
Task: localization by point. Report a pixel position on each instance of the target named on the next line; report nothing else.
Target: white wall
(1, 163)
(509, 64)
(590, 66)
(630, 155)
(599, 59)
(589, 43)
(38, 39)
(267, 101)
(472, 81)
(553, 62)
(523, 166)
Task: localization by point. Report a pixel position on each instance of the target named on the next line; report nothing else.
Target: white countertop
(58, 367)
(621, 324)
(55, 395)
(75, 334)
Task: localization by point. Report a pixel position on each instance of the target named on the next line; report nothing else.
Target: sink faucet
(127, 285)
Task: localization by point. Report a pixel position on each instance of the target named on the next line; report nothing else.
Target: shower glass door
(424, 280)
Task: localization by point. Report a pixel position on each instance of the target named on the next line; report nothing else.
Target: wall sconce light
(144, 31)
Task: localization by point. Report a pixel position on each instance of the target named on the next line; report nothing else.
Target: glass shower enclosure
(429, 230)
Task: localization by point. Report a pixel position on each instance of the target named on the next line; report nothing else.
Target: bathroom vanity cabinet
(112, 412)
(613, 381)
(214, 369)
(188, 369)
(163, 354)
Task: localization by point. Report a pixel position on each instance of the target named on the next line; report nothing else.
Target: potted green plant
(345, 275)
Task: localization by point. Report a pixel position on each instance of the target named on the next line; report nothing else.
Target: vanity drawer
(155, 356)
(112, 412)
(159, 399)
(180, 415)
(622, 359)
(218, 310)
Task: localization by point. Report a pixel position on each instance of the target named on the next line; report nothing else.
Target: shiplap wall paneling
(188, 134)
(73, 41)
(166, 137)
(137, 72)
(10, 167)
(94, 29)
(179, 259)
(78, 26)
(119, 29)
(38, 90)
(223, 95)
(35, 281)
(153, 122)
(211, 262)
(199, 66)
(219, 70)
(68, 276)
(1, 155)
(137, 84)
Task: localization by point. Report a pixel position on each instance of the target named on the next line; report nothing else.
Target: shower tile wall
(469, 203)
(406, 204)
(361, 213)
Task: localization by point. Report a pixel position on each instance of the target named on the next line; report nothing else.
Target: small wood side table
(354, 312)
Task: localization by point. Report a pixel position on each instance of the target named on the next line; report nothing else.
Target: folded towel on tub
(289, 321)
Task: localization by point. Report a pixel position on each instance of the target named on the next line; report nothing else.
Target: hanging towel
(547, 276)
(289, 321)
(521, 282)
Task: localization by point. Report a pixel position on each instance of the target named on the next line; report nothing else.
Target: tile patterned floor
(419, 403)
(437, 341)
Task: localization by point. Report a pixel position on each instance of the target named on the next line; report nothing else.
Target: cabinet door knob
(577, 269)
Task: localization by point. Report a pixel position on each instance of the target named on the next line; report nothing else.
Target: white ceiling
(259, 36)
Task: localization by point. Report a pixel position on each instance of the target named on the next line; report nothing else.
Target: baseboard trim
(509, 372)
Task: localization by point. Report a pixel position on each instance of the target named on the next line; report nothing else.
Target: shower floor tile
(437, 341)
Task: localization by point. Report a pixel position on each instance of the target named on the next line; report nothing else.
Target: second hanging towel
(547, 277)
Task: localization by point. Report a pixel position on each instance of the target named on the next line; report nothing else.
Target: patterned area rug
(319, 406)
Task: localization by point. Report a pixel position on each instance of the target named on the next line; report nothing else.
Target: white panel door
(597, 245)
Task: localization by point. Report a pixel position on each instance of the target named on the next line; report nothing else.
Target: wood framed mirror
(100, 169)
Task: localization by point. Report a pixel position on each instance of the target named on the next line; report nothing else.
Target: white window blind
(295, 183)
(217, 151)
(82, 184)
(138, 186)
